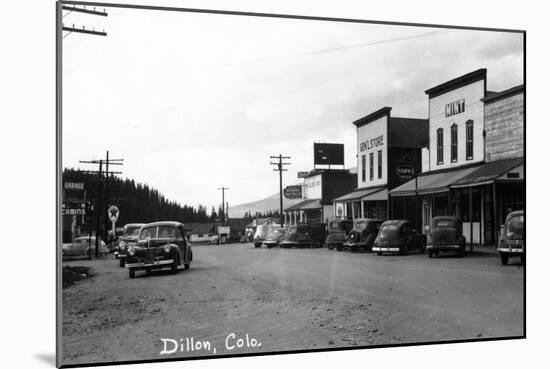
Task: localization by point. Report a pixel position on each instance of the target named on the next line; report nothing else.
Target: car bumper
(153, 264)
(510, 250)
(385, 249)
(443, 247)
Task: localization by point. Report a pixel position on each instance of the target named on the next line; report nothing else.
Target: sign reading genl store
(372, 143)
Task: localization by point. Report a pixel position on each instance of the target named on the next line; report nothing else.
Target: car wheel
(257, 245)
(379, 253)
(422, 249)
(339, 248)
(122, 262)
(330, 247)
(504, 259)
(461, 252)
(268, 246)
(430, 254)
(148, 271)
(132, 273)
(174, 266)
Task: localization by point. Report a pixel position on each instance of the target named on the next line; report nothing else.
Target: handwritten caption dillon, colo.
(190, 344)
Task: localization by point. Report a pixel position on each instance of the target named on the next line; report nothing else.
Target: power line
(280, 169)
(101, 175)
(343, 48)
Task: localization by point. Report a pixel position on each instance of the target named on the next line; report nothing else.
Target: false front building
(472, 165)
(388, 155)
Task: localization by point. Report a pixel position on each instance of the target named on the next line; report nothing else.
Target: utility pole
(101, 175)
(280, 169)
(83, 10)
(223, 201)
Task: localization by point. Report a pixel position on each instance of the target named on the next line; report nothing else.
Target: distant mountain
(262, 206)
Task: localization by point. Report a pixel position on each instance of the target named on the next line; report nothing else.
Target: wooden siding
(504, 126)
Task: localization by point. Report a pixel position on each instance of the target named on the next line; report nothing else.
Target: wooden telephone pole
(280, 169)
(101, 175)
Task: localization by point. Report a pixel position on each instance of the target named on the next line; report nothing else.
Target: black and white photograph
(234, 183)
(244, 184)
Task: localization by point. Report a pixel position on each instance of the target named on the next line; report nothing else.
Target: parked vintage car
(81, 246)
(305, 235)
(398, 236)
(338, 229)
(363, 234)
(274, 237)
(511, 241)
(160, 245)
(261, 234)
(446, 235)
(129, 237)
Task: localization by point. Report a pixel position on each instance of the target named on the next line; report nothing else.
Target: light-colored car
(81, 247)
(261, 234)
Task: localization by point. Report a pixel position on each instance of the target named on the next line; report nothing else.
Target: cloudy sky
(196, 101)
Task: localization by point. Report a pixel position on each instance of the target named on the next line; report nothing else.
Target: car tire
(122, 262)
(257, 245)
(461, 252)
(132, 273)
(330, 247)
(339, 247)
(174, 266)
(504, 259)
(430, 254)
(422, 250)
(379, 253)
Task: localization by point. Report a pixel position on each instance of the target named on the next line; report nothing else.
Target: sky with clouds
(196, 101)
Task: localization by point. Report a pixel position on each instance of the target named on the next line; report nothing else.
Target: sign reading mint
(454, 108)
(293, 192)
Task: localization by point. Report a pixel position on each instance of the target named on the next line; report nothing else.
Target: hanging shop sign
(74, 186)
(405, 172)
(293, 192)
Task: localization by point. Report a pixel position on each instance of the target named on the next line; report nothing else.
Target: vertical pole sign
(113, 214)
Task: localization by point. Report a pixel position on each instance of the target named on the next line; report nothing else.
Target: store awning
(432, 183)
(488, 173)
(357, 194)
(306, 205)
(377, 196)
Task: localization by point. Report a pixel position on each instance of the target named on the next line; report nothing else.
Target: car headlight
(131, 251)
(166, 248)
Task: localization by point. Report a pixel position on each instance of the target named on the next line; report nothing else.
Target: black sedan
(398, 236)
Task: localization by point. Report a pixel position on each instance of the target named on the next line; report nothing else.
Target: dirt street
(286, 299)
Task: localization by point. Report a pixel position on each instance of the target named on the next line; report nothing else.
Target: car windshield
(389, 229)
(515, 225)
(150, 232)
(132, 231)
(445, 224)
(262, 231)
(361, 226)
(336, 226)
(276, 232)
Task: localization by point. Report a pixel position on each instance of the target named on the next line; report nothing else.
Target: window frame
(379, 164)
(439, 146)
(469, 139)
(364, 167)
(454, 143)
(371, 166)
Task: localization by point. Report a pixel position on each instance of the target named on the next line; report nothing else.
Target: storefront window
(465, 205)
